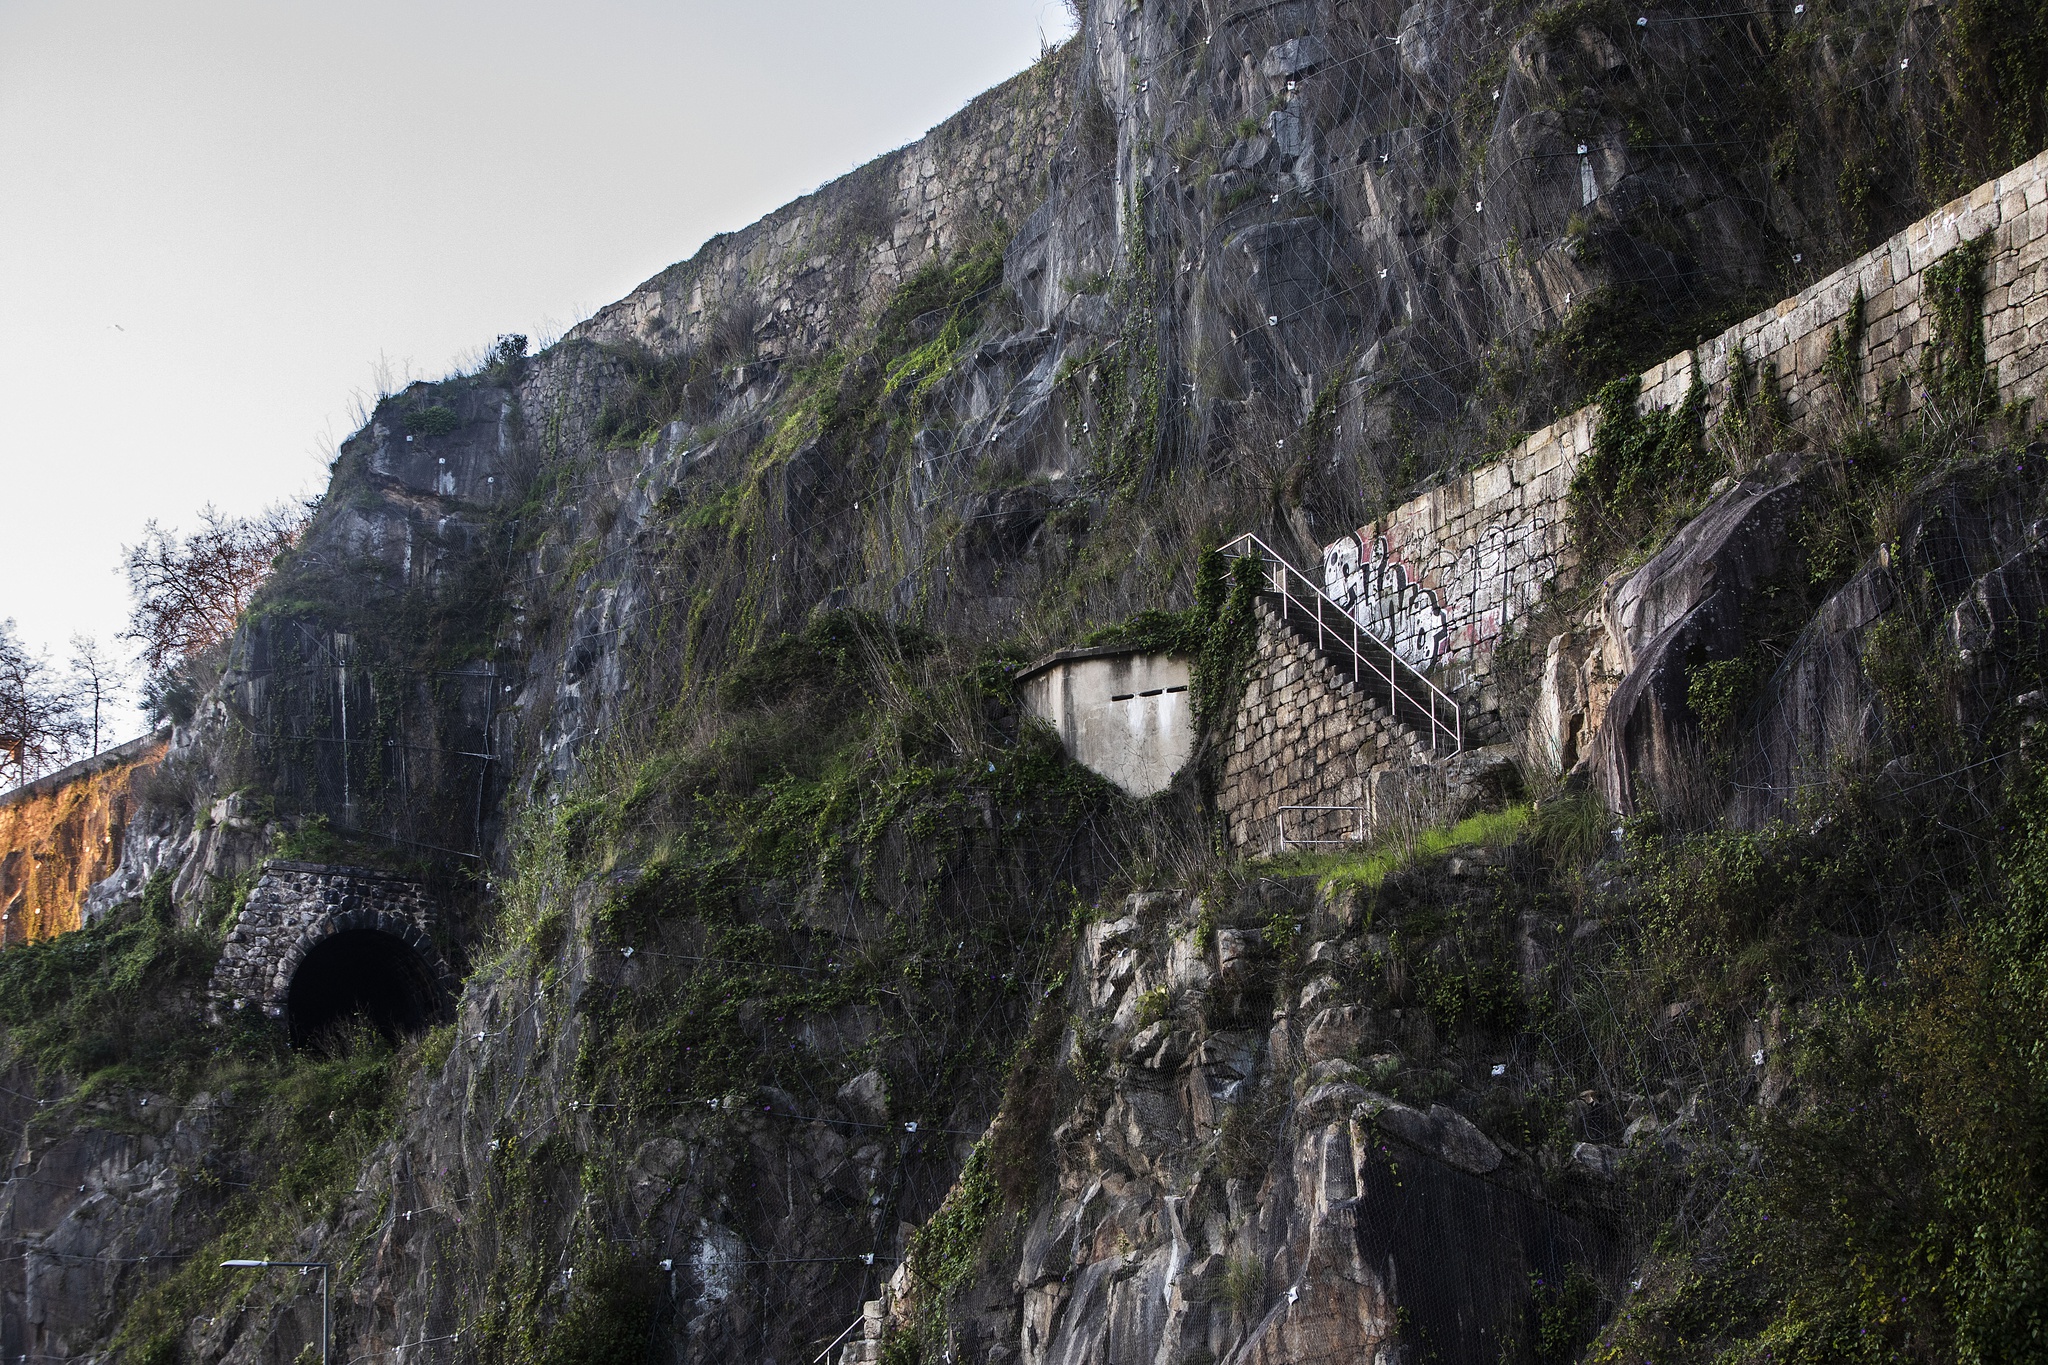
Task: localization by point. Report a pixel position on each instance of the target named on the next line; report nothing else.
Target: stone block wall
(62, 834)
(1445, 576)
(986, 164)
(294, 906)
(1304, 735)
(1795, 332)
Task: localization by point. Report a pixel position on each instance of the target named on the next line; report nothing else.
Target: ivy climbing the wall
(1644, 468)
(1220, 633)
(1953, 372)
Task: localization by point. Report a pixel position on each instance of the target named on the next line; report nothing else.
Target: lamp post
(326, 1302)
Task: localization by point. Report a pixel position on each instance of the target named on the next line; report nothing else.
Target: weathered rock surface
(1237, 209)
(1239, 1203)
(1971, 561)
(1685, 607)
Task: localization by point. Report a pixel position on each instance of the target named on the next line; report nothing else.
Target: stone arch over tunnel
(317, 947)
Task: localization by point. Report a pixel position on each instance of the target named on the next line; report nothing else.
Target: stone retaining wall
(64, 833)
(838, 253)
(1304, 735)
(1446, 575)
(294, 906)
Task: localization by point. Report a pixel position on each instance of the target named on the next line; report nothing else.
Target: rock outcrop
(1232, 1184)
(1685, 607)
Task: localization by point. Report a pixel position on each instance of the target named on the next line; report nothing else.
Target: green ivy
(437, 420)
(1719, 692)
(946, 1248)
(1224, 665)
(1565, 1314)
(1642, 467)
(1953, 370)
(1843, 363)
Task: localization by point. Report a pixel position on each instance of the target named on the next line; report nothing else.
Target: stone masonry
(840, 251)
(1304, 735)
(62, 835)
(1446, 575)
(296, 905)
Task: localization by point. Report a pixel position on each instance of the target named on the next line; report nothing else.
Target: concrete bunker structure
(1120, 712)
(320, 946)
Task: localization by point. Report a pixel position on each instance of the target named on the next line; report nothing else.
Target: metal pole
(326, 1317)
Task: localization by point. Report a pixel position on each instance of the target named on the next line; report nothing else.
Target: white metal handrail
(1391, 675)
(1280, 825)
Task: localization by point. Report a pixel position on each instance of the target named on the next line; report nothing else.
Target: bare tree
(97, 678)
(190, 591)
(39, 726)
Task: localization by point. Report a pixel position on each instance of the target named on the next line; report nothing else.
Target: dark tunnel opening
(360, 976)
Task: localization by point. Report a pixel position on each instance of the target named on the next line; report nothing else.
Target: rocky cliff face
(1228, 1178)
(799, 967)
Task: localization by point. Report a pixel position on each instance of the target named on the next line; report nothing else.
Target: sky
(221, 223)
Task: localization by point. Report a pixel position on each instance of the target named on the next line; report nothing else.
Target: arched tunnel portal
(361, 977)
(321, 949)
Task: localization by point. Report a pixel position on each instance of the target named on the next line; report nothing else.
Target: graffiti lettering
(1465, 613)
(1381, 596)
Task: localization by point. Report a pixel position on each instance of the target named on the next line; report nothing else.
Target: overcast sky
(216, 217)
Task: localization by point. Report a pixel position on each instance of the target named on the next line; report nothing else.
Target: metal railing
(1374, 665)
(1280, 826)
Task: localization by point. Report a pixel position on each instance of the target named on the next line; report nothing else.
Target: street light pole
(326, 1299)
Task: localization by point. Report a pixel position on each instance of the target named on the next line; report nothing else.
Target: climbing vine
(1641, 466)
(1843, 363)
(1227, 596)
(943, 1256)
(1220, 633)
(1953, 371)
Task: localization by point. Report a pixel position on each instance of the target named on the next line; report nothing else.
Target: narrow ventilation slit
(1123, 696)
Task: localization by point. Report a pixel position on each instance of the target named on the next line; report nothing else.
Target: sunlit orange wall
(54, 844)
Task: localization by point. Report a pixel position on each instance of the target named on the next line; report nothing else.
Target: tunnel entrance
(360, 976)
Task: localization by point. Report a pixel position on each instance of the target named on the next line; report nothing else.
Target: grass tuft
(1370, 866)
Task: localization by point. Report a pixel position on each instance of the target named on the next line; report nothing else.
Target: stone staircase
(866, 1349)
(1427, 715)
(1360, 660)
(1335, 736)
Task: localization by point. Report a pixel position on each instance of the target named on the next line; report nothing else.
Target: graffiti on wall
(1384, 597)
(1427, 617)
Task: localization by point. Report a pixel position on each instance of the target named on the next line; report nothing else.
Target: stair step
(1335, 647)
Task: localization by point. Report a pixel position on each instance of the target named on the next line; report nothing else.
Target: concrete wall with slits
(1125, 715)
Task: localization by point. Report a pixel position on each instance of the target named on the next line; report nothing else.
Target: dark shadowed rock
(1969, 560)
(1683, 608)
